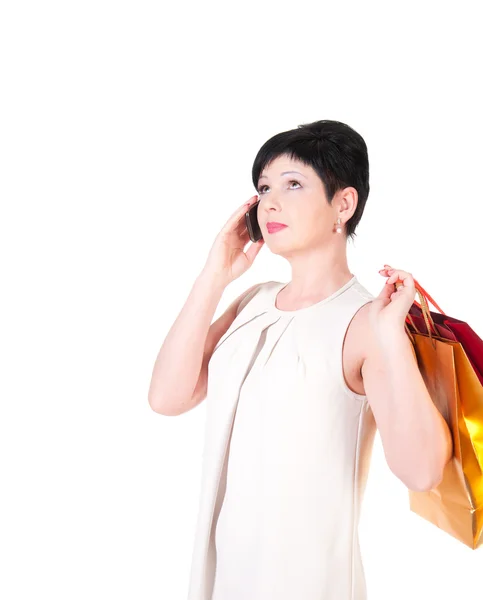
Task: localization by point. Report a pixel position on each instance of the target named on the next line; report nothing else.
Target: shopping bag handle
(427, 297)
(424, 307)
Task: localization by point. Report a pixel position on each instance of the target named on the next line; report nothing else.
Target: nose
(270, 202)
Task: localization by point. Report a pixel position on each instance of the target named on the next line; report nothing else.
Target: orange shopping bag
(456, 504)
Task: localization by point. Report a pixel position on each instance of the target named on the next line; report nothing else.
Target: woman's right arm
(180, 374)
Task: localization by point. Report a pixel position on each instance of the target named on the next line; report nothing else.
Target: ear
(348, 200)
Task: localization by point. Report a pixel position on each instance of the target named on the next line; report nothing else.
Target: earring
(338, 226)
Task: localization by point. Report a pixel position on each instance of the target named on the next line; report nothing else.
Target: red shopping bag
(450, 328)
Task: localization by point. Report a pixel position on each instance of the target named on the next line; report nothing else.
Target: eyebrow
(284, 173)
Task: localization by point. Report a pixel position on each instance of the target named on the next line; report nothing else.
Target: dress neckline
(334, 295)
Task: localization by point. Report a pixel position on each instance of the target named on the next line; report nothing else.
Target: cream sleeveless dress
(286, 456)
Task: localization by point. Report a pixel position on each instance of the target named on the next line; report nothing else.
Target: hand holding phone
(227, 259)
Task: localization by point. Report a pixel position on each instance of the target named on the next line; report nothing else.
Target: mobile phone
(252, 224)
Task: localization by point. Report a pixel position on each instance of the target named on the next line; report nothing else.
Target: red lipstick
(272, 226)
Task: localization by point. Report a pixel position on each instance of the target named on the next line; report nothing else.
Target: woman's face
(297, 200)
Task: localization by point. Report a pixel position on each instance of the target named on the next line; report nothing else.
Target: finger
(387, 269)
(386, 291)
(238, 214)
(244, 238)
(393, 274)
(403, 276)
(254, 250)
(389, 292)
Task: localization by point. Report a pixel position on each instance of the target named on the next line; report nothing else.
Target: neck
(318, 272)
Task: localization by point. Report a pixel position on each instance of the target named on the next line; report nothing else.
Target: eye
(264, 186)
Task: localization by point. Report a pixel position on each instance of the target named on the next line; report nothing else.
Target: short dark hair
(336, 152)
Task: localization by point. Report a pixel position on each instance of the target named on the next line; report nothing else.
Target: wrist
(390, 338)
(213, 279)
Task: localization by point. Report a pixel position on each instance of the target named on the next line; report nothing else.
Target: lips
(271, 227)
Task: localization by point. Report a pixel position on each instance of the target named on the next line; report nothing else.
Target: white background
(128, 132)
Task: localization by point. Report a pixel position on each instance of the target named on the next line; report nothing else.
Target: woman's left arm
(416, 439)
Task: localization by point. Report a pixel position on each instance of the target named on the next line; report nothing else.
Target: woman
(289, 429)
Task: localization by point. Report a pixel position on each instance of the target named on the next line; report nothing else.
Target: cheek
(319, 226)
(316, 220)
